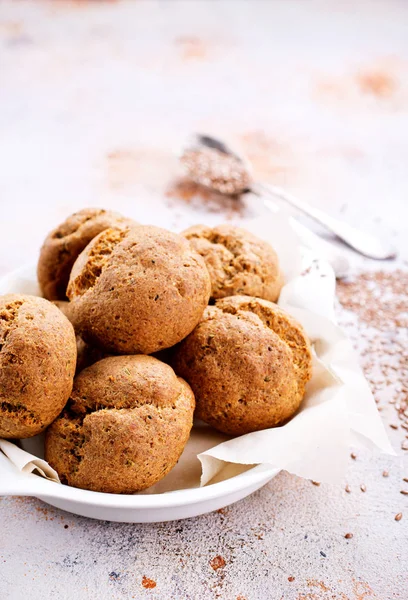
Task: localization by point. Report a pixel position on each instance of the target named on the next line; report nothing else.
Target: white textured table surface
(95, 98)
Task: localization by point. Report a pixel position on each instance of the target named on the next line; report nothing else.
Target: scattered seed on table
(353, 455)
(393, 426)
(405, 479)
(348, 536)
(385, 473)
(291, 578)
(404, 425)
(404, 445)
(398, 517)
(363, 487)
(316, 482)
(404, 492)
(384, 356)
(323, 554)
(348, 489)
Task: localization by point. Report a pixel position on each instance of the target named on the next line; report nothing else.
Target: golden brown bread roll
(137, 291)
(238, 261)
(248, 362)
(125, 426)
(63, 245)
(37, 364)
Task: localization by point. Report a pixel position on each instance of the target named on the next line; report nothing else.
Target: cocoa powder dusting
(375, 314)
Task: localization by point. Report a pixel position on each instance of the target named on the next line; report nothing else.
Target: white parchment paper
(338, 410)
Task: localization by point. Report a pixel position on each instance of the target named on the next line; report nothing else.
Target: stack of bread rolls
(139, 330)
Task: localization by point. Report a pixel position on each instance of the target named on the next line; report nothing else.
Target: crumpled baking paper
(26, 462)
(338, 410)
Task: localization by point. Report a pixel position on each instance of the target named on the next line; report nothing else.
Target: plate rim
(34, 485)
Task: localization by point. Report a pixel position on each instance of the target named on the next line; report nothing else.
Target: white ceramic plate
(147, 508)
(143, 508)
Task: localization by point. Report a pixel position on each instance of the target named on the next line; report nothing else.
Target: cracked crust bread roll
(238, 261)
(248, 362)
(137, 291)
(37, 364)
(63, 245)
(125, 426)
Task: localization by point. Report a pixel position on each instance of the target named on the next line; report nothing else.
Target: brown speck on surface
(312, 583)
(11, 27)
(347, 489)
(404, 492)
(398, 517)
(353, 455)
(65, 526)
(316, 482)
(291, 578)
(85, 2)
(15, 34)
(185, 191)
(385, 474)
(147, 583)
(348, 536)
(405, 479)
(191, 48)
(363, 591)
(217, 563)
(377, 83)
(363, 488)
(222, 511)
(393, 426)
(404, 445)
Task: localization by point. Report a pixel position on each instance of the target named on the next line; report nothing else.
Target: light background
(95, 99)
